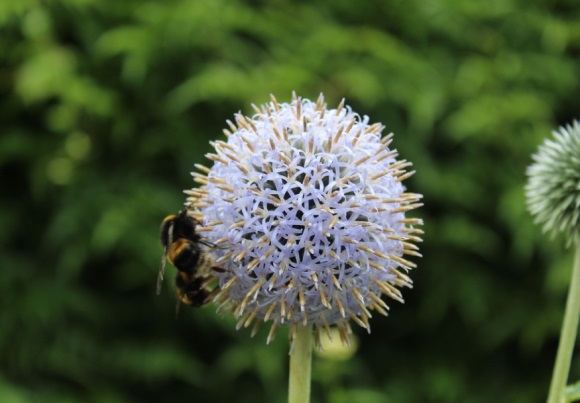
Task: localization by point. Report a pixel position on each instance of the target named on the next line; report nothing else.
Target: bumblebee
(182, 246)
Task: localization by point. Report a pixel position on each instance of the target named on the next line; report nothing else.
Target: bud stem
(300, 365)
(567, 336)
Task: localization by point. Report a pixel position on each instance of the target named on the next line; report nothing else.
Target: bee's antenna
(209, 244)
(164, 258)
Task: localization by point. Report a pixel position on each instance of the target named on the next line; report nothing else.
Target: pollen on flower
(308, 207)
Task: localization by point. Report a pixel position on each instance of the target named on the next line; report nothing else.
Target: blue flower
(309, 206)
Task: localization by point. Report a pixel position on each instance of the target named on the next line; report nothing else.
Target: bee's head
(166, 232)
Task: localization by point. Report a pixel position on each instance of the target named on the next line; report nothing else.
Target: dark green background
(106, 105)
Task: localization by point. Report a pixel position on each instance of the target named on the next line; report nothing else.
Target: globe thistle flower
(553, 188)
(310, 210)
(553, 196)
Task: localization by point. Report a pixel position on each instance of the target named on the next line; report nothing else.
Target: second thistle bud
(553, 188)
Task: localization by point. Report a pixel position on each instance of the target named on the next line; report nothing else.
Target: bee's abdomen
(184, 255)
(192, 291)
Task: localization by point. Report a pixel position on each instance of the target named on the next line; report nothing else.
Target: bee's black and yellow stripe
(184, 255)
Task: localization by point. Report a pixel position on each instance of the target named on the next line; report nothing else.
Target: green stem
(300, 364)
(567, 336)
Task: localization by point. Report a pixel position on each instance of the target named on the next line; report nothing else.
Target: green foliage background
(105, 106)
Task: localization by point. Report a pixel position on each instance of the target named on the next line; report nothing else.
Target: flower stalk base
(300, 365)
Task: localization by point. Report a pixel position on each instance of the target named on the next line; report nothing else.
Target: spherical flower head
(308, 206)
(553, 188)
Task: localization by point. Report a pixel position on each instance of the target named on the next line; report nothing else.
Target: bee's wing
(177, 306)
(161, 272)
(164, 258)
